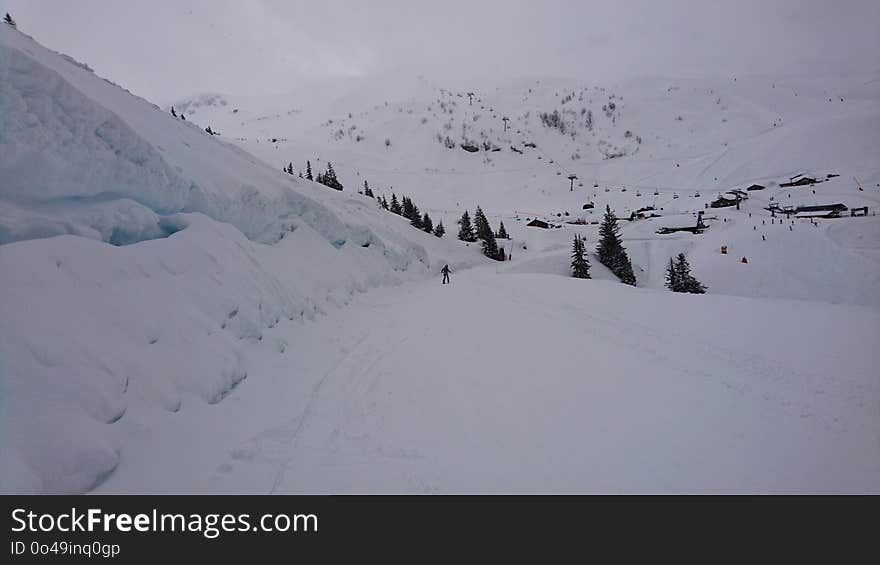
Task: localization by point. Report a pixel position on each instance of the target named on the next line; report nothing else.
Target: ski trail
(306, 414)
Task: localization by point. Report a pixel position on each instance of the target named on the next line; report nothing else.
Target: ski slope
(732, 133)
(519, 382)
(178, 315)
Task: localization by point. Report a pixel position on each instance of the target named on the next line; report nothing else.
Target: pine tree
(580, 265)
(481, 225)
(681, 275)
(611, 252)
(395, 205)
(624, 269)
(427, 224)
(672, 282)
(407, 208)
(485, 234)
(208, 129)
(416, 218)
(183, 116)
(330, 179)
(290, 168)
(8, 20)
(465, 230)
(367, 191)
(383, 202)
(502, 233)
(439, 230)
(173, 113)
(502, 255)
(490, 247)
(309, 171)
(609, 238)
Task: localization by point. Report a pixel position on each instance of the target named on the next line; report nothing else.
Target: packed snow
(179, 315)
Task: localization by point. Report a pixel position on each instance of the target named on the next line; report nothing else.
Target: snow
(178, 315)
(140, 298)
(547, 384)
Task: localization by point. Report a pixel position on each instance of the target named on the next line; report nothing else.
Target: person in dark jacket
(445, 271)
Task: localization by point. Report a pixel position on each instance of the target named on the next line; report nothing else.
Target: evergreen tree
(485, 234)
(609, 238)
(8, 20)
(624, 269)
(465, 230)
(580, 265)
(481, 225)
(439, 230)
(309, 171)
(395, 205)
(407, 208)
(208, 129)
(383, 202)
(173, 113)
(367, 191)
(611, 252)
(680, 274)
(672, 282)
(427, 224)
(502, 233)
(290, 168)
(416, 218)
(182, 116)
(490, 247)
(330, 179)
(502, 255)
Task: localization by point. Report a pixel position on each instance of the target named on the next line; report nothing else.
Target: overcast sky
(165, 50)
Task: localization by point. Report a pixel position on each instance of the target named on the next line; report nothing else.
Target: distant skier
(445, 271)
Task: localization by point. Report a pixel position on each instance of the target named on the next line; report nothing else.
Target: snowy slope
(181, 316)
(675, 139)
(546, 384)
(211, 250)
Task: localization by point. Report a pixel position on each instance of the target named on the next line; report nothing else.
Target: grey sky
(168, 49)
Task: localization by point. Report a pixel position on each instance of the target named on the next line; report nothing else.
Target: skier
(445, 271)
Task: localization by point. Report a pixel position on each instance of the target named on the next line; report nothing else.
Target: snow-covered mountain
(671, 144)
(179, 315)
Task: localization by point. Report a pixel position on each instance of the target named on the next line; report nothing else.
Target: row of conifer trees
(408, 209)
(327, 178)
(480, 230)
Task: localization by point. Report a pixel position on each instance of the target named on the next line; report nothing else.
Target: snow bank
(141, 258)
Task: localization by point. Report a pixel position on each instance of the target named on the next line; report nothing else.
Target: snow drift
(141, 258)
